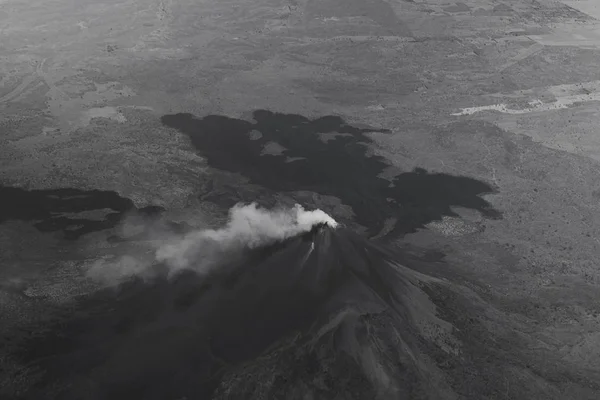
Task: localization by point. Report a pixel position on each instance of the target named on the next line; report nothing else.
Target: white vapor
(249, 226)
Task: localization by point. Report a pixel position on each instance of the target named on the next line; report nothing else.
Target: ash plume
(249, 226)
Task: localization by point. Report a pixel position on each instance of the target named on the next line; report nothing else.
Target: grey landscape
(299, 199)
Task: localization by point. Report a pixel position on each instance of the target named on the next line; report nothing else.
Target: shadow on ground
(75, 212)
(289, 152)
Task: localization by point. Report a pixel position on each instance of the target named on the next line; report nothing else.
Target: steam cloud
(249, 226)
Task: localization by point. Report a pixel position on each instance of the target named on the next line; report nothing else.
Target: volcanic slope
(325, 314)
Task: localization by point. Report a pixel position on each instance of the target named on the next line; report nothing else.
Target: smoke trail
(249, 226)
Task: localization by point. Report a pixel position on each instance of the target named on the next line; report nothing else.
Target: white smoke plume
(249, 226)
(114, 271)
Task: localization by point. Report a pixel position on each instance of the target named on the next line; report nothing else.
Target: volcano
(324, 314)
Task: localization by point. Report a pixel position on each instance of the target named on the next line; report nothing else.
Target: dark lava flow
(323, 315)
(338, 166)
(56, 210)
